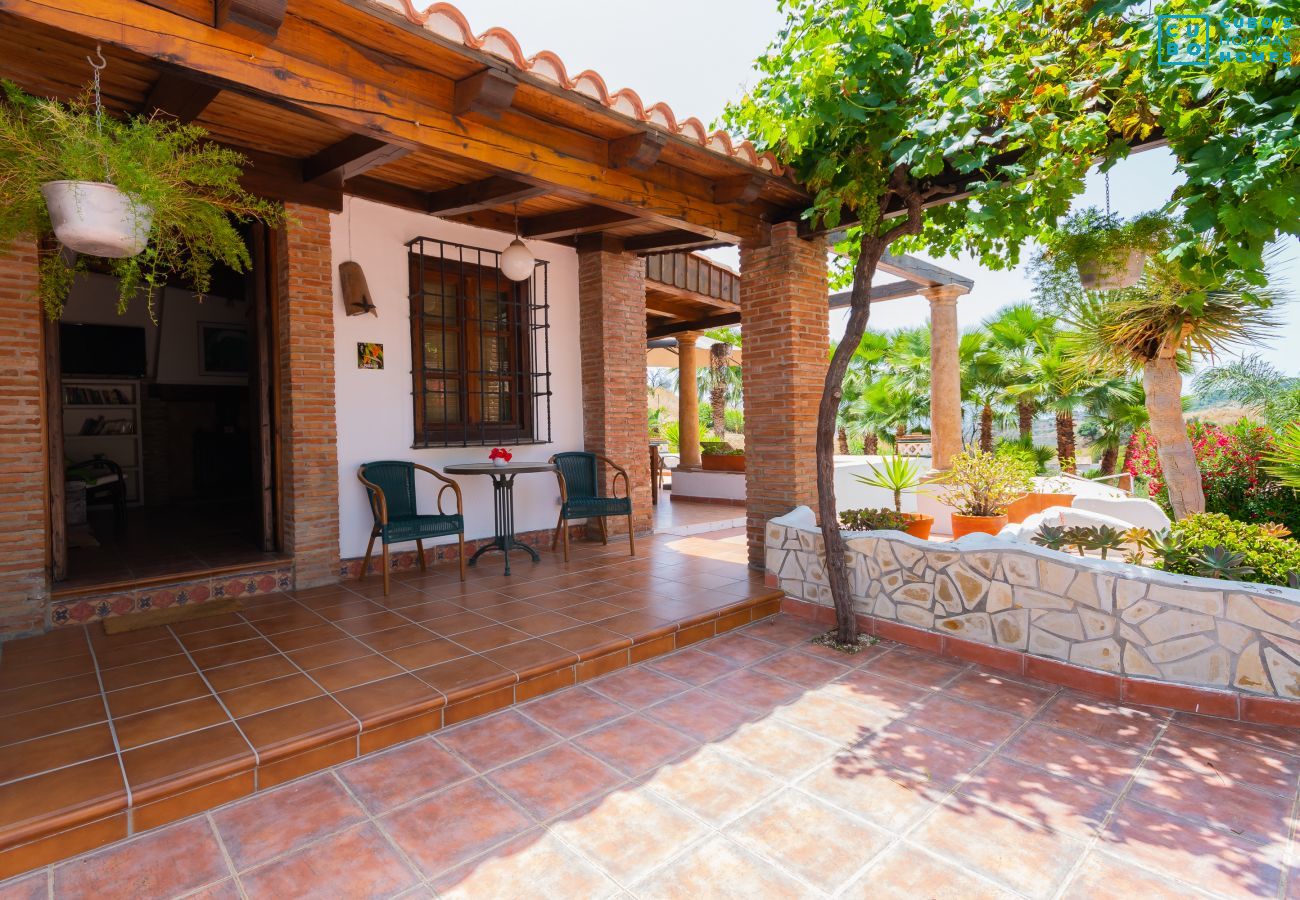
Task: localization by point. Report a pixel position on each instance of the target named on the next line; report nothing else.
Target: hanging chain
(1108, 193)
(99, 101)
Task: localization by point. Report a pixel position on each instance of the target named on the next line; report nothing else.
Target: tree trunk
(842, 442)
(986, 429)
(1025, 415)
(1164, 400)
(718, 393)
(1065, 442)
(1109, 457)
(871, 445)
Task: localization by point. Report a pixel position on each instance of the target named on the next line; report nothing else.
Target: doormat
(171, 615)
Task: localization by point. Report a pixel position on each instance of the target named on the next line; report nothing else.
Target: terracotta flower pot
(1035, 502)
(712, 462)
(919, 525)
(963, 525)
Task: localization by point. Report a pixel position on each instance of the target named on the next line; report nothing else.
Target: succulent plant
(1105, 539)
(1274, 529)
(1081, 538)
(1050, 536)
(1220, 562)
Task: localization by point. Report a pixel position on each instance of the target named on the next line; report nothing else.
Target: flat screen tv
(116, 350)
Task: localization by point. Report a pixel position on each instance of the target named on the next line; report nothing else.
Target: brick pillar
(785, 321)
(24, 584)
(611, 301)
(688, 400)
(945, 376)
(308, 435)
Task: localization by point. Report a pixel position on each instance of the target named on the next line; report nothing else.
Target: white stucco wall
(375, 418)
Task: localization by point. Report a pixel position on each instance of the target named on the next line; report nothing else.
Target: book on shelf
(80, 395)
(102, 425)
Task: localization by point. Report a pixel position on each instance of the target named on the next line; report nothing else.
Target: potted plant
(500, 456)
(149, 196)
(1106, 252)
(898, 474)
(979, 487)
(719, 456)
(1044, 493)
(873, 520)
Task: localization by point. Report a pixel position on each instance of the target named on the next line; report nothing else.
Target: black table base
(503, 491)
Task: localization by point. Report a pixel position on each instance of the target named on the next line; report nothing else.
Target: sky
(698, 54)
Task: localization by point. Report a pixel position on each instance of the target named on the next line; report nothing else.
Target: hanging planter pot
(97, 219)
(1113, 272)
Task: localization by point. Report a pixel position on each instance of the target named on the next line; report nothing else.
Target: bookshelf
(102, 416)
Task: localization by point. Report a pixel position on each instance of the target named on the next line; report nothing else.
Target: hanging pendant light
(517, 261)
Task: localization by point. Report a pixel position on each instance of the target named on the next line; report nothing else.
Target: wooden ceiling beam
(719, 321)
(689, 296)
(325, 70)
(569, 222)
(741, 189)
(638, 151)
(253, 20)
(675, 239)
(494, 191)
(280, 178)
(486, 93)
(352, 156)
(179, 97)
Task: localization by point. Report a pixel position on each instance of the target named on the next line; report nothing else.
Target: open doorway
(166, 465)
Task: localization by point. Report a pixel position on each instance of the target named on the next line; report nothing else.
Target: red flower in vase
(500, 453)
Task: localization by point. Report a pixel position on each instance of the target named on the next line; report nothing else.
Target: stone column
(309, 433)
(785, 321)
(611, 304)
(688, 399)
(945, 375)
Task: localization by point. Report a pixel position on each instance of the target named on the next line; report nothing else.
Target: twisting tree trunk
(986, 429)
(1025, 415)
(1065, 442)
(871, 445)
(718, 394)
(1109, 457)
(870, 250)
(842, 442)
(1182, 476)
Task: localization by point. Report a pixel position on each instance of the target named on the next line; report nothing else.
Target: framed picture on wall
(223, 349)
(370, 356)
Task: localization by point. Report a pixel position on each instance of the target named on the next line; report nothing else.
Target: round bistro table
(503, 490)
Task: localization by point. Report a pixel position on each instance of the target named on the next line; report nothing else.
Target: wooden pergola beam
(181, 98)
(254, 20)
(638, 151)
(719, 321)
(350, 157)
(675, 239)
(485, 194)
(566, 223)
(741, 189)
(323, 74)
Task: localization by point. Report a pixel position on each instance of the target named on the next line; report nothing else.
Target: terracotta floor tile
(90, 789)
(815, 841)
(307, 637)
(532, 657)
(146, 672)
(168, 721)
(999, 692)
(50, 720)
(573, 711)
(904, 873)
(144, 697)
(777, 748)
(861, 687)
(228, 654)
(393, 638)
(421, 609)
(740, 648)
(1034, 795)
(843, 723)
(496, 740)
(428, 653)
(1103, 877)
(548, 783)
(1216, 861)
(801, 668)
(1027, 858)
(938, 757)
(628, 833)
(129, 654)
(461, 678)
(1274, 737)
(382, 781)
(361, 670)
(358, 862)
(588, 641)
(264, 695)
(711, 785)
(1176, 789)
(1127, 726)
(280, 820)
(295, 620)
(32, 886)
(288, 729)
(693, 666)
(759, 692)
(453, 826)
(915, 668)
(891, 798)
(213, 637)
(587, 611)
(964, 721)
(186, 761)
(51, 693)
(331, 654)
(228, 678)
(718, 861)
(370, 623)
(786, 631)
(638, 687)
(57, 644)
(146, 866)
(458, 623)
(636, 744)
(1091, 762)
(701, 715)
(348, 609)
(535, 859)
(389, 699)
(16, 676)
(637, 625)
(1210, 754)
(480, 640)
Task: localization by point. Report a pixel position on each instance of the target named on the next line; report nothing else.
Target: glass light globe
(517, 261)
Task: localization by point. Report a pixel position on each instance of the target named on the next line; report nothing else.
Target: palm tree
(1153, 328)
(1017, 333)
(1111, 416)
(1252, 382)
(985, 378)
(865, 366)
(721, 384)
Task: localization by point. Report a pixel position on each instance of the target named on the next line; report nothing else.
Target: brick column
(308, 435)
(945, 376)
(24, 584)
(785, 322)
(688, 400)
(611, 301)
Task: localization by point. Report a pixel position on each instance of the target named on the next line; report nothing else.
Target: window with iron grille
(480, 349)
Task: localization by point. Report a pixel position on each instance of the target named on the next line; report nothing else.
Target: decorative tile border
(97, 607)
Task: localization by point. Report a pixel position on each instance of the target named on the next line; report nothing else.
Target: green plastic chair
(582, 496)
(390, 486)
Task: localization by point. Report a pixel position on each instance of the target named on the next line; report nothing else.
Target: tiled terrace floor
(757, 765)
(102, 736)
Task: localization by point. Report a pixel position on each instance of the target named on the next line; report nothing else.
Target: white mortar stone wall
(1097, 614)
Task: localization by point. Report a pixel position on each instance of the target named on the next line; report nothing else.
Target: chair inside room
(582, 495)
(390, 485)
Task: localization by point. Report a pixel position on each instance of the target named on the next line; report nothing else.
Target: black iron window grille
(480, 348)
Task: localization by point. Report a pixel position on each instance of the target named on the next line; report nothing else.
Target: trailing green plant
(191, 184)
(982, 484)
(873, 520)
(1271, 558)
(895, 474)
(1220, 562)
(1091, 237)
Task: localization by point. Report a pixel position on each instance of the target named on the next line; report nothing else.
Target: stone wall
(1099, 615)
